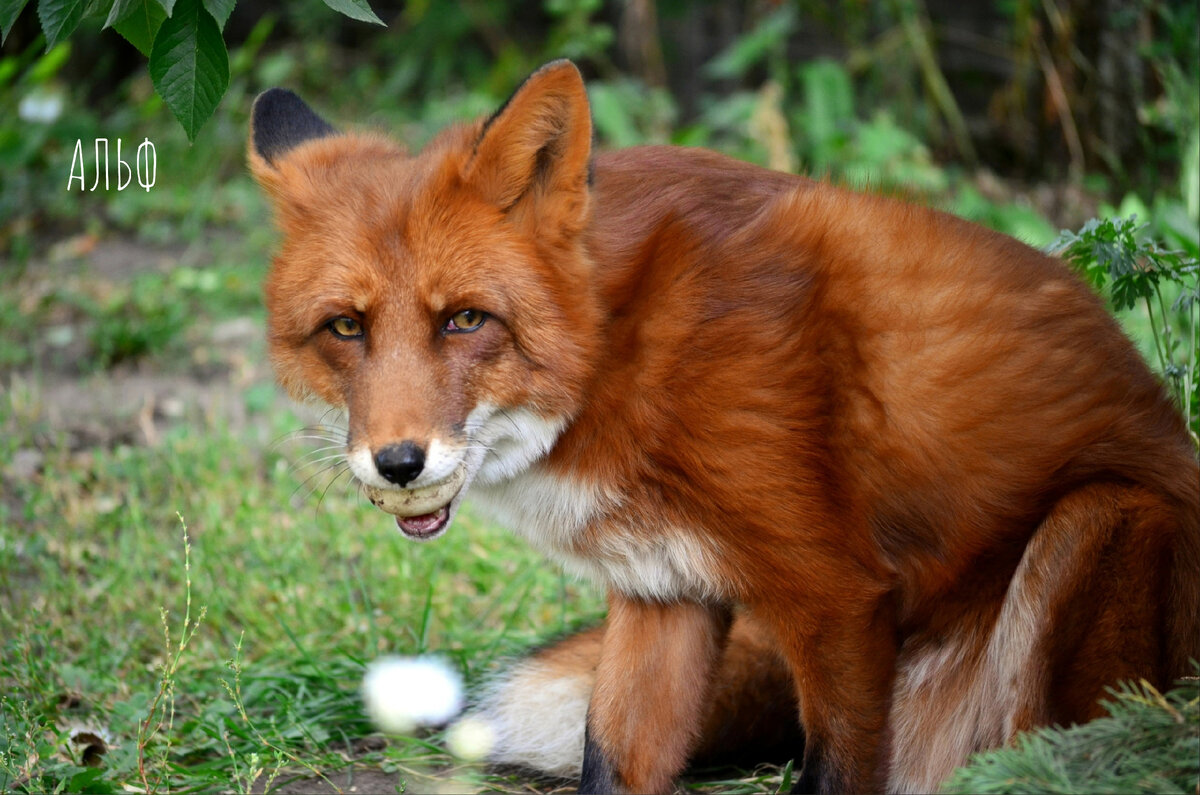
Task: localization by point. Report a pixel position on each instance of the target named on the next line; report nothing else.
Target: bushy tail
(536, 709)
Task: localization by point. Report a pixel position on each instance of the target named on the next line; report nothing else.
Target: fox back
(918, 454)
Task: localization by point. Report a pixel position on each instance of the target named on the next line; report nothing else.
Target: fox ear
(280, 121)
(538, 144)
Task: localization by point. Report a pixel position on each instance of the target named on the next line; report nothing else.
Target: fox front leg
(653, 683)
(844, 667)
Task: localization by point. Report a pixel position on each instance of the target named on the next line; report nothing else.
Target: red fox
(847, 458)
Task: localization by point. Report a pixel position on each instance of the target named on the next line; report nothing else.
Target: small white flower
(39, 106)
(471, 739)
(403, 693)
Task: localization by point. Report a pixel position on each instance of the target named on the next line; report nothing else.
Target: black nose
(400, 463)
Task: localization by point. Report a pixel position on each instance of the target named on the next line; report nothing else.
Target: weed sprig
(161, 714)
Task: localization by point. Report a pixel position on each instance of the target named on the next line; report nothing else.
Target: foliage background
(133, 382)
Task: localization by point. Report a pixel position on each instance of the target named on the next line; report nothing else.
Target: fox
(888, 484)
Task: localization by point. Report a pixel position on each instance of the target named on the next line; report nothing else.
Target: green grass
(288, 600)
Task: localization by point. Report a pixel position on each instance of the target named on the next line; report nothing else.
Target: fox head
(443, 299)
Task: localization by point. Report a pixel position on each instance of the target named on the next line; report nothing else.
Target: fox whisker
(341, 471)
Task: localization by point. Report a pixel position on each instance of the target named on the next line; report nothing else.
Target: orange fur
(919, 453)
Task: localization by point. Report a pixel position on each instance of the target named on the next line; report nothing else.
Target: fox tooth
(417, 502)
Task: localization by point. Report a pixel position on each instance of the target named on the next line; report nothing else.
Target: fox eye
(466, 320)
(345, 327)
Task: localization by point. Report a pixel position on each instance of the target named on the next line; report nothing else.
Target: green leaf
(220, 10)
(59, 18)
(612, 116)
(1189, 175)
(828, 108)
(189, 65)
(140, 25)
(120, 10)
(355, 9)
(749, 49)
(49, 64)
(88, 780)
(9, 11)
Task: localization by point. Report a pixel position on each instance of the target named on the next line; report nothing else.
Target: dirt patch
(131, 407)
(353, 779)
(363, 778)
(113, 259)
(59, 395)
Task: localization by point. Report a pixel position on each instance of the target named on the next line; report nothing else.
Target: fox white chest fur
(579, 526)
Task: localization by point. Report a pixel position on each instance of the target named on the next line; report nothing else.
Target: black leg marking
(598, 774)
(818, 776)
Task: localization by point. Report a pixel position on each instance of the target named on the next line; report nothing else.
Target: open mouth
(421, 513)
(425, 525)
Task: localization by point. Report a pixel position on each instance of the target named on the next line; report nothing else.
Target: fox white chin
(424, 513)
(502, 443)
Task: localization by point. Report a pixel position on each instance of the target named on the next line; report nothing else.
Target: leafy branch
(1146, 744)
(1114, 256)
(183, 40)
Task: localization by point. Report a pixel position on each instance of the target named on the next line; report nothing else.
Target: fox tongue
(425, 524)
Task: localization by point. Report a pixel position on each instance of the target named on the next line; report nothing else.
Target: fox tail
(536, 709)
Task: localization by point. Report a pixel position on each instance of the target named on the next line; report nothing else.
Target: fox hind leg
(1094, 599)
(1099, 576)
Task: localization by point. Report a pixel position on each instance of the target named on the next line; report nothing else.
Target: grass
(234, 653)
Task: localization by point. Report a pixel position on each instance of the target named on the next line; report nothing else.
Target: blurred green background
(136, 397)
(1054, 105)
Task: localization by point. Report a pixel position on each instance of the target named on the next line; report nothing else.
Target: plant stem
(1158, 342)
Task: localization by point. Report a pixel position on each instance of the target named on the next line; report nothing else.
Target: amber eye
(466, 320)
(345, 327)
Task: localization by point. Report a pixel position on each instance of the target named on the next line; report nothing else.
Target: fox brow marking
(282, 121)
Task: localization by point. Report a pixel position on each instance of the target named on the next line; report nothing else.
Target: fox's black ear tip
(565, 64)
(273, 98)
(280, 120)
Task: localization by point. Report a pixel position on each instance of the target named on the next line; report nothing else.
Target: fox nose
(400, 463)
